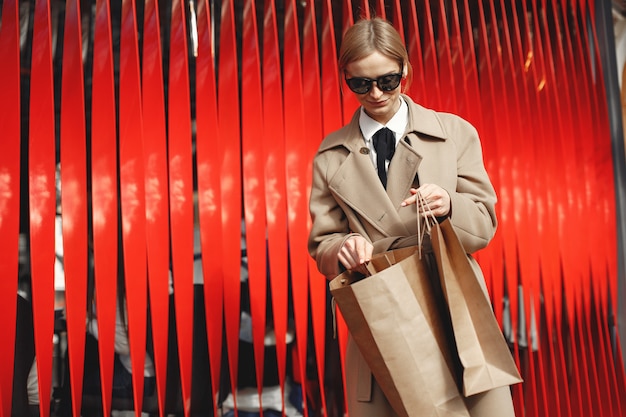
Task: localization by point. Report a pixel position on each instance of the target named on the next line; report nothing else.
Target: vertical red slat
(104, 196)
(506, 197)
(417, 89)
(604, 165)
(313, 136)
(550, 248)
(297, 198)
(531, 241)
(594, 181)
(132, 198)
(550, 256)
(474, 112)
(157, 220)
(502, 132)
(458, 64)
(590, 258)
(447, 85)
(432, 98)
(493, 257)
(490, 148)
(181, 194)
(595, 299)
(605, 188)
(524, 195)
(228, 113)
(331, 81)
(378, 8)
(605, 161)
(74, 197)
(350, 103)
(42, 195)
(579, 282)
(275, 186)
(580, 387)
(254, 184)
(208, 156)
(9, 189)
(332, 120)
(531, 191)
(395, 16)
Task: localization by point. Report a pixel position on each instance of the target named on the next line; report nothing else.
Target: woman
(365, 180)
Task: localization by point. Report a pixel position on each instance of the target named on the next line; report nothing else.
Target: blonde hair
(374, 35)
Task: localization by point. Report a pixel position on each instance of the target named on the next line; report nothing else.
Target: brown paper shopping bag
(483, 352)
(394, 317)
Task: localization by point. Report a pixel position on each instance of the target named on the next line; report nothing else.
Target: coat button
(365, 151)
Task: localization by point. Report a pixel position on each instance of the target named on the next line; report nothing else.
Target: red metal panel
(604, 188)
(208, 156)
(297, 176)
(588, 254)
(332, 120)
(494, 256)
(254, 184)
(74, 197)
(526, 197)
(181, 194)
(396, 18)
(350, 103)
(228, 107)
(9, 189)
(313, 134)
(605, 161)
(548, 230)
(432, 97)
(275, 186)
(579, 387)
(42, 198)
(474, 112)
(132, 198)
(417, 89)
(157, 220)
(458, 63)
(599, 243)
(104, 195)
(447, 85)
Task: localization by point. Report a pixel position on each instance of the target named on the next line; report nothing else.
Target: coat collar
(422, 121)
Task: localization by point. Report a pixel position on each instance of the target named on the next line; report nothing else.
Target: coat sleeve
(473, 201)
(329, 227)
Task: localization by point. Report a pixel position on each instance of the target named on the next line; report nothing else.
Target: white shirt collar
(397, 123)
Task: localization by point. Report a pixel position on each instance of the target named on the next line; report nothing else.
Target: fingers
(355, 251)
(434, 200)
(410, 200)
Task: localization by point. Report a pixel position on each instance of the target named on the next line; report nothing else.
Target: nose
(375, 91)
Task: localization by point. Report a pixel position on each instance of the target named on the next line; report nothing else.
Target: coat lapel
(357, 184)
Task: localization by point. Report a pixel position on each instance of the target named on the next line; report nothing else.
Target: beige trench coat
(347, 197)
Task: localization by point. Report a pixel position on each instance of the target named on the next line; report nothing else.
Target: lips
(378, 103)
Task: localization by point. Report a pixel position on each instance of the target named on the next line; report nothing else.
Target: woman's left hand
(436, 199)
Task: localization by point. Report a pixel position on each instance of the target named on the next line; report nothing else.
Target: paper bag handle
(423, 226)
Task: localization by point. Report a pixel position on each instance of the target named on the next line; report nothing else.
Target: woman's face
(378, 104)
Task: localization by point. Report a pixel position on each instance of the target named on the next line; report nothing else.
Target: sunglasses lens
(359, 85)
(389, 82)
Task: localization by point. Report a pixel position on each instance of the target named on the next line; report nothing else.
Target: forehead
(372, 66)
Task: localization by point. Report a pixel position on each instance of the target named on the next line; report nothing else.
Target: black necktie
(385, 145)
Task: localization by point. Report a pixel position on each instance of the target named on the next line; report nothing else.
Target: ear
(405, 70)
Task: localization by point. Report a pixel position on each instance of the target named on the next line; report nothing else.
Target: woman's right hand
(355, 252)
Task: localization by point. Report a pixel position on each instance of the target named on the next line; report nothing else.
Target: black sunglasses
(361, 85)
